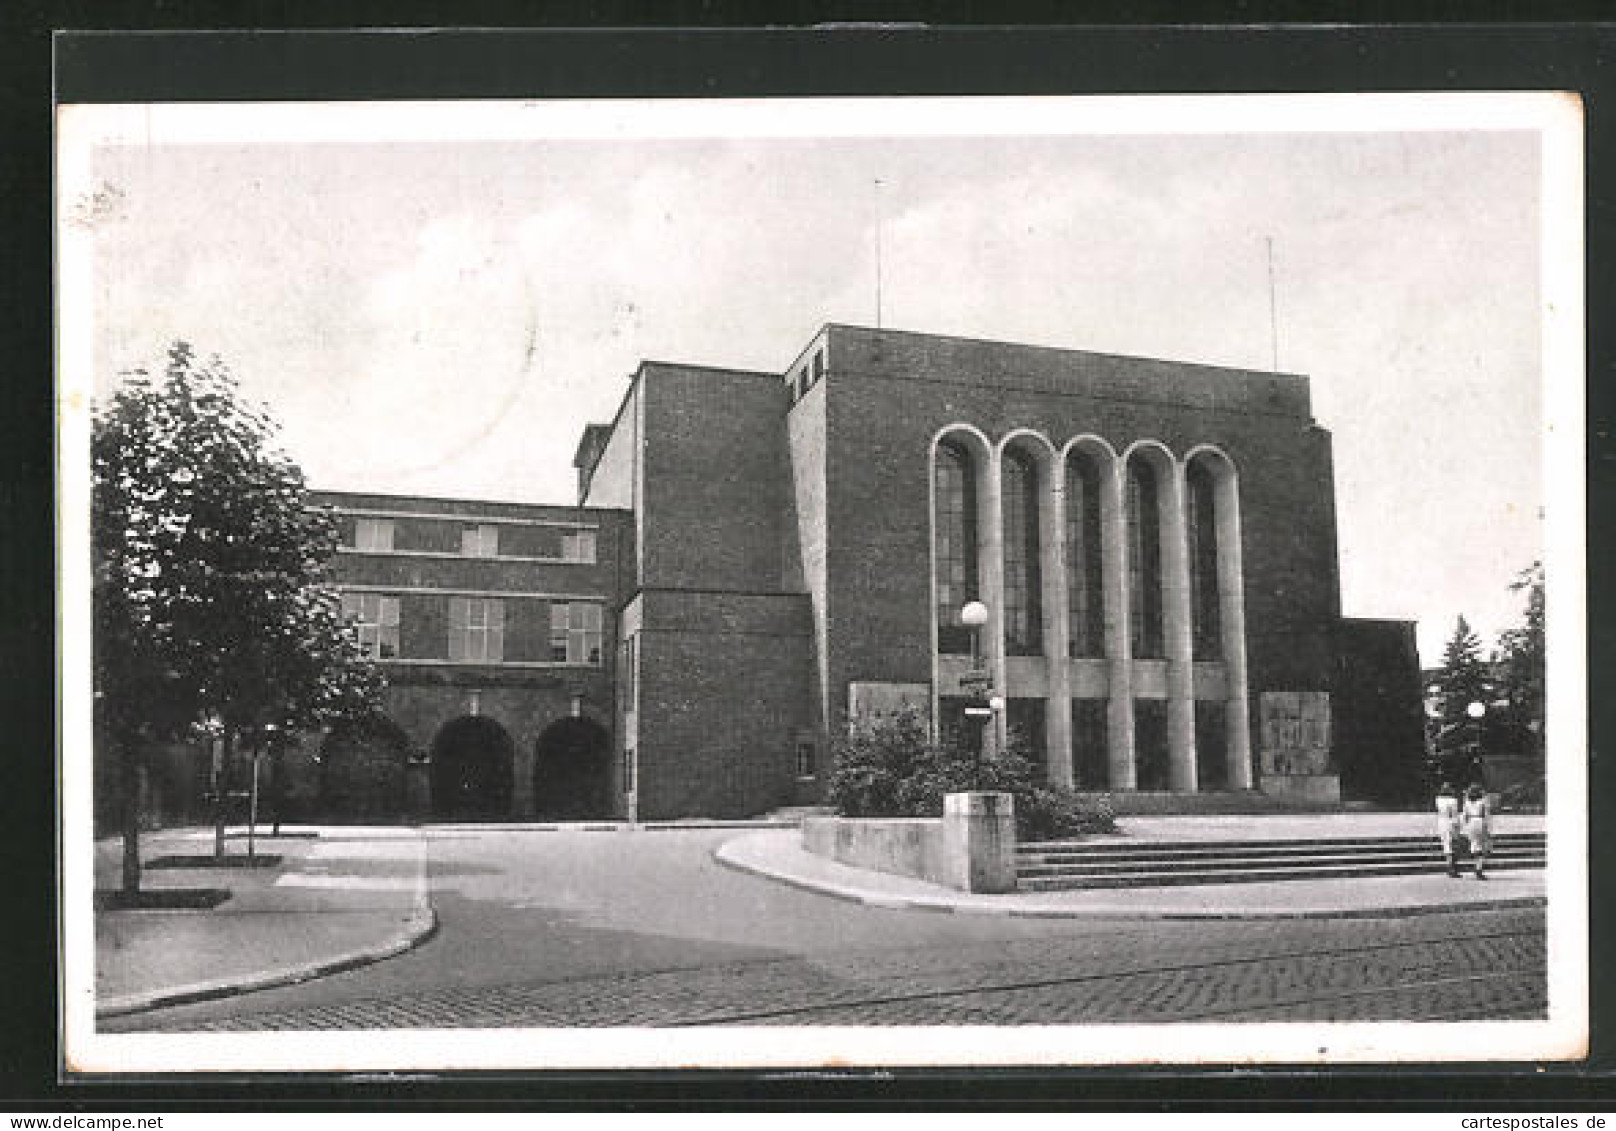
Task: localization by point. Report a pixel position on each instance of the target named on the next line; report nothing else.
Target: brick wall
(723, 693)
(714, 479)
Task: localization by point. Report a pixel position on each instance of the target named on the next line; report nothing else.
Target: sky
(442, 317)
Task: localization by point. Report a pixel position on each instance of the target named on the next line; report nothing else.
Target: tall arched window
(955, 549)
(1023, 613)
(1205, 615)
(1144, 561)
(1086, 628)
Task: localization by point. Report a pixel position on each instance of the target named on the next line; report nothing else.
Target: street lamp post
(1477, 710)
(974, 616)
(214, 725)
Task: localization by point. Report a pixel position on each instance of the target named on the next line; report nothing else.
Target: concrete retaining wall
(972, 847)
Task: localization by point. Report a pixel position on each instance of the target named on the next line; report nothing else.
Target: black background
(147, 51)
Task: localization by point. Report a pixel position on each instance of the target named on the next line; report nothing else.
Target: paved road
(577, 929)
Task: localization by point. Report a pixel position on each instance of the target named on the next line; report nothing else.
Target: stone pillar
(1232, 612)
(1177, 632)
(522, 783)
(979, 842)
(990, 569)
(1123, 771)
(418, 788)
(1057, 626)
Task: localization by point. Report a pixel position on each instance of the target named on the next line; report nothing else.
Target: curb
(603, 826)
(420, 926)
(959, 906)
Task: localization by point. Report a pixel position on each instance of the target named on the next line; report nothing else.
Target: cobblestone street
(1494, 970)
(566, 930)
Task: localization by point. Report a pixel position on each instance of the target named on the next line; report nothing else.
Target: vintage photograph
(784, 583)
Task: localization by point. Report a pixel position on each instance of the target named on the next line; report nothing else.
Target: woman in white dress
(1447, 825)
(1478, 827)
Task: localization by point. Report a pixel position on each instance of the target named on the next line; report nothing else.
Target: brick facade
(521, 684)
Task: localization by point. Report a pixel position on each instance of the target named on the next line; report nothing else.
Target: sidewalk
(324, 908)
(780, 856)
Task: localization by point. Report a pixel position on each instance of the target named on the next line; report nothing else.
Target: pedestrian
(1478, 826)
(1447, 825)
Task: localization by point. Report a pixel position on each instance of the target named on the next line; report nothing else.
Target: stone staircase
(1234, 802)
(1065, 865)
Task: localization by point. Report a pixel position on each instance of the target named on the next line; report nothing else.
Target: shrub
(1051, 813)
(888, 766)
(871, 760)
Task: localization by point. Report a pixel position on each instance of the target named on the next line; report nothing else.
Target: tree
(1462, 680)
(1521, 658)
(212, 600)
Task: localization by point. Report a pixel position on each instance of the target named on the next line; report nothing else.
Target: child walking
(1447, 825)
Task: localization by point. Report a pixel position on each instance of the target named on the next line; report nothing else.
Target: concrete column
(1123, 770)
(1052, 568)
(418, 788)
(990, 568)
(1232, 610)
(1176, 631)
(522, 781)
(979, 841)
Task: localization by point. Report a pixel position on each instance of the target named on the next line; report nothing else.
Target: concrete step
(1230, 802)
(1130, 848)
(1238, 863)
(1054, 865)
(1180, 877)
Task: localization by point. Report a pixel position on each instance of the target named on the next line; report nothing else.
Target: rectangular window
(559, 618)
(578, 546)
(476, 630)
(575, 632)
(819, 366)
(1151, 760)
(373, 534)
(628, 769)
(1144, 563)
(1211, 745)
(481, 541)
(1090, 743)
(955, 549)
(1206, 614)
(962, 731)
(1025, 721)
(1023, 614)
(376, 618)
(805, 759)
(1086, 626)
(583, 634)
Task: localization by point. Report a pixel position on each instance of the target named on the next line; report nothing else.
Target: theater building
(754, 556)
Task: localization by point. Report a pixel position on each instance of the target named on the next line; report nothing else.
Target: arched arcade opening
(362, 769)
(472, 770)
(572, 771)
